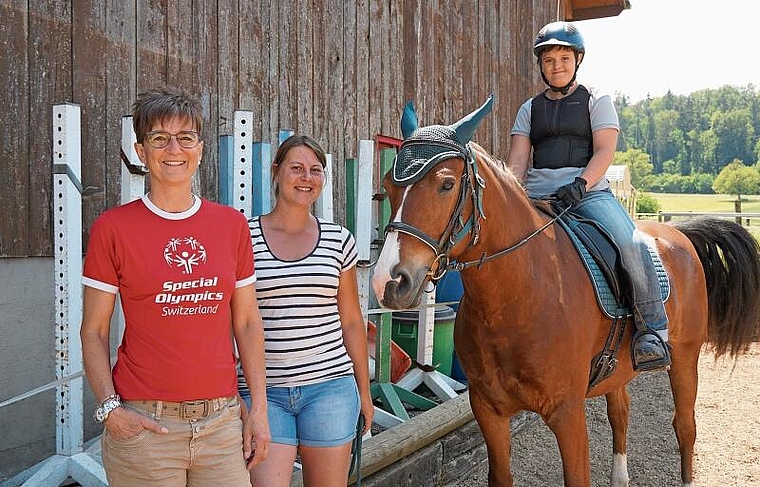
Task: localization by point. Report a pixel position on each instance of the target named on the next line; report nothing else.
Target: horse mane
(504, 174)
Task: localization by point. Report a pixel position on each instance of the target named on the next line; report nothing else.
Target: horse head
(435, 195)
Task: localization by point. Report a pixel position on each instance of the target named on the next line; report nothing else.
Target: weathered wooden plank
(204, 58)
(376, 52)
(89, 91)
(349, 111)
(363, 73)
(180, 43)
(120, 88)
(320, 76)
(426, 67)
(470, 55)
(453, 59)
(151, 44)
(287, 63)
(410, 55)
(489, 129)
(440, 91)
(227, 48)
(254, 50)
(387, 69)
(50, 82)
(275, 82)
(334, 94)
(304, 68)
(395, 67)
(501, 91)
(14, 186)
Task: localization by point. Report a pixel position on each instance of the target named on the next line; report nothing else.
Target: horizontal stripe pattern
(299, 307)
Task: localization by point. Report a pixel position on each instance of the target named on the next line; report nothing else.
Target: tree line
(682, 143)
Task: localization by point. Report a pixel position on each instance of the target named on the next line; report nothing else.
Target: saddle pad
(604, 295)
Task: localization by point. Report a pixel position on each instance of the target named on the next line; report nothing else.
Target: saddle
(601, 258)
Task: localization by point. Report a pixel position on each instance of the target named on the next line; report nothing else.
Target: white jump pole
(69, 461)
(324, 207)
(365, 165)
(242, 191)
(133, 173)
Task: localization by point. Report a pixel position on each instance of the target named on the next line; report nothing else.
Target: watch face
(102, 412)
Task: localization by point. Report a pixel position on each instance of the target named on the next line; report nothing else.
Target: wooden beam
(594, 9)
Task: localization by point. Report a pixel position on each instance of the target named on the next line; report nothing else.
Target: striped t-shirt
(299, 307)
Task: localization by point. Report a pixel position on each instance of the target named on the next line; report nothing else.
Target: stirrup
(661, 363)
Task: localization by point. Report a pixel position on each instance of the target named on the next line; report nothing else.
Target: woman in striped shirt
(315, 335)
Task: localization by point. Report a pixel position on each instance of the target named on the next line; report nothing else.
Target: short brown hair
(161, 104)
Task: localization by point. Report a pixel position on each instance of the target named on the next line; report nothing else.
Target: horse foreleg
(496, 431)
(683, 383)
(568, 423)
(618, 411)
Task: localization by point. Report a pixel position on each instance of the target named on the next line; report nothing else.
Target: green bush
(646, 203)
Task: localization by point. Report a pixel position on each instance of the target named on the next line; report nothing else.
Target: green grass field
(711, 203)
(706, 203)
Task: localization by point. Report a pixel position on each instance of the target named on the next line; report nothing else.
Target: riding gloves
(571, 194)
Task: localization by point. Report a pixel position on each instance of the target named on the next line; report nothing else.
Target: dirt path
(728, 433)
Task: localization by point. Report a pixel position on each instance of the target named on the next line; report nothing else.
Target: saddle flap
(603, 250)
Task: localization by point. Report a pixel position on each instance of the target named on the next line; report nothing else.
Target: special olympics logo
(185, 253)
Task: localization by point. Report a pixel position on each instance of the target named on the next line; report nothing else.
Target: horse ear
(408, 120)
(465, 128)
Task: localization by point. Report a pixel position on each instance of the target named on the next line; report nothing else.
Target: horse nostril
(403, 280)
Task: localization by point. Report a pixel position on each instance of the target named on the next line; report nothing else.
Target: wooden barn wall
(338, 70)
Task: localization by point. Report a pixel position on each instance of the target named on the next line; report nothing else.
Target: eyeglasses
(187, 139)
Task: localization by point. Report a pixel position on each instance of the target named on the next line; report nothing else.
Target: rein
(457, 229)
(458, 266)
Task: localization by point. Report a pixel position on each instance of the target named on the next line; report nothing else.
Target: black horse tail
(730, 257)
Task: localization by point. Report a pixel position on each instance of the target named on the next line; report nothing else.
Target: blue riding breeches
(603, 207)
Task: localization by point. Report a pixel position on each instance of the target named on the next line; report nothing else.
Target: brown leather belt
(198, 409)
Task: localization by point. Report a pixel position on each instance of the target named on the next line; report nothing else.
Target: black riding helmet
(559, 34)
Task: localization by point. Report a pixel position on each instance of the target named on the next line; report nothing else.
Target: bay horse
(528, 323)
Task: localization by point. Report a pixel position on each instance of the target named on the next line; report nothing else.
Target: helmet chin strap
(561, 89)
(566, 88)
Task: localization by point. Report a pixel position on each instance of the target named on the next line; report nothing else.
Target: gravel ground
(728, 433)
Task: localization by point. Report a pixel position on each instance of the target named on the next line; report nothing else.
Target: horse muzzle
(403, 289)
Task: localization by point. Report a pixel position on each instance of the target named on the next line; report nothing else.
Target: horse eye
(447, 186)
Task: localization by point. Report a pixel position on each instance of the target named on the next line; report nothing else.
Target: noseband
(472, 184)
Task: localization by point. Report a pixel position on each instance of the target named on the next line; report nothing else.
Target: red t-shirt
(175, 273)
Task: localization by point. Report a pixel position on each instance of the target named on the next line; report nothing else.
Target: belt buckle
(194, 409)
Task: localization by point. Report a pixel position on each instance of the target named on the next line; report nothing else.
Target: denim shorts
(319, 415)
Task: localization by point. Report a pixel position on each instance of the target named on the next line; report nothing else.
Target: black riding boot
(649, 352)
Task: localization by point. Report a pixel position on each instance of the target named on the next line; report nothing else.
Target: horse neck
(510, 217)
(509, 214)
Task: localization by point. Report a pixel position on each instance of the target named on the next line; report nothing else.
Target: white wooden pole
(133, 171)
(364, 189)
(324, 206)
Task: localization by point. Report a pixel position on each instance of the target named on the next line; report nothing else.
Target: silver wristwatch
(109, 404)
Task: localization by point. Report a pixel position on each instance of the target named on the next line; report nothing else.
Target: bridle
(457, 229)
